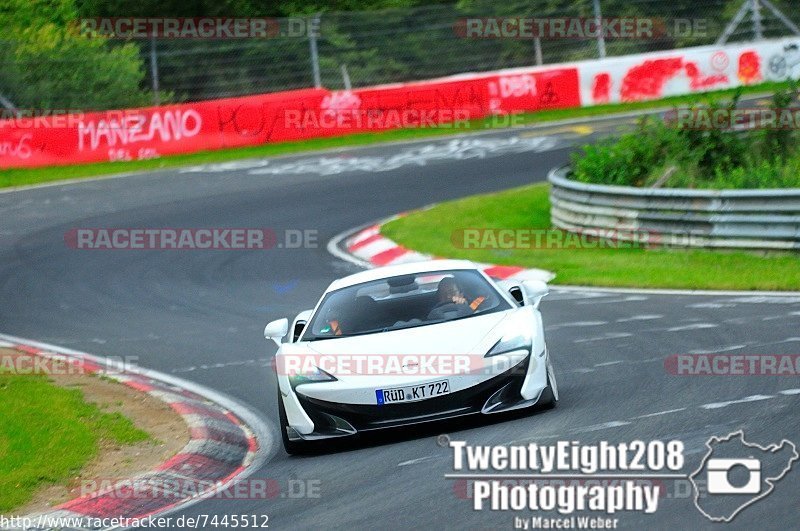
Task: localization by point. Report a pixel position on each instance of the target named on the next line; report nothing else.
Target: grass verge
(21, 177)
(48, 433)
(431, 231)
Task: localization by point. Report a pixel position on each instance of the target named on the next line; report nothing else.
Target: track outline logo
(771, 481)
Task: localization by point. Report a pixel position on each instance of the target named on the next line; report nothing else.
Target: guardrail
(738, 219)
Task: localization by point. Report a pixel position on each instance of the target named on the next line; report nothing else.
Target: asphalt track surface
(200, 315)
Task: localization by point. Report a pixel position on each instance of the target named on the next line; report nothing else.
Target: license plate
(412, 393)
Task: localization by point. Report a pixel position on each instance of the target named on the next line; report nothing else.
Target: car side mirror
(535, 290)
(514, 288)
(276, 330)
(516, 293)
(300, 321)
(298, 329)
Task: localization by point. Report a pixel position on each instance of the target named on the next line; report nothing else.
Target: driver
(333, 326)
(449, 292)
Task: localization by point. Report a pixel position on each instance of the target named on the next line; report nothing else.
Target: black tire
(291, 447)
(548, 399)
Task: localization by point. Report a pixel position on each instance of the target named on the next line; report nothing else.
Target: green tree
(47, 64)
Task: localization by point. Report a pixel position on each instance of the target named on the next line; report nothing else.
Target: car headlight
(510, 343)
(313, 376)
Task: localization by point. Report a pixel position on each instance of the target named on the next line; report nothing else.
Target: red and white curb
(227, 442)
(367, 247)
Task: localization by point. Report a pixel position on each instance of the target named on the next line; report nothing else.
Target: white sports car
(407, 344)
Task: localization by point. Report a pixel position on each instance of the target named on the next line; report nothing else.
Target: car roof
(400, 269)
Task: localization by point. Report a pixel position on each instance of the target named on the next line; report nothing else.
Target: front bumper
(330, 419)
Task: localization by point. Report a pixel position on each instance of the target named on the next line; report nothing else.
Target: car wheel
(549, 397)
(291, 447)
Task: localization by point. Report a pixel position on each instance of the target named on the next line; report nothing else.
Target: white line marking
(787, 340)
(417, 460)
(667, 412)
(577, 323)
(221, 365)
(632, 298)
(715, 350)
(607, 363)
(713, 305)
(739, 320)
(770, 300)
(573, 295)
(753, 398)
(639, 318)
(790, 392)
(610, 335)
(603, 426)
(695, 326)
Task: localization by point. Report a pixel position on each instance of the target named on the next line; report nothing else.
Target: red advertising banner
(46, 139)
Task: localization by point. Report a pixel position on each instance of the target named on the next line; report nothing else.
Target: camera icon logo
(719, 476)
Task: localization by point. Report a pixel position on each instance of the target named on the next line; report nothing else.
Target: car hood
(453, 350)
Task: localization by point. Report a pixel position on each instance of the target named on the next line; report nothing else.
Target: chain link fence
(356, 49)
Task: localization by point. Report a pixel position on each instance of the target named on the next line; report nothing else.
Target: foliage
(686, 154)
(379, 41)
(48, 65)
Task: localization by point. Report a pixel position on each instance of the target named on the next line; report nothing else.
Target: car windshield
(405, 301)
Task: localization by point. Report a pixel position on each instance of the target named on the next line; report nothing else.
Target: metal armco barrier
(738, 219)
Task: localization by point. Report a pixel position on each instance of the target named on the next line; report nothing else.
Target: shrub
(660, 153)
(46, 64)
